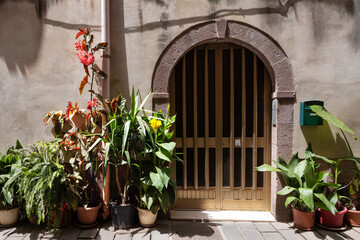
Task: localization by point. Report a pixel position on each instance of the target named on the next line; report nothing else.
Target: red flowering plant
(81, 128)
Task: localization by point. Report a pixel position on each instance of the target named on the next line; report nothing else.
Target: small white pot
(146, 217)
(9, 217)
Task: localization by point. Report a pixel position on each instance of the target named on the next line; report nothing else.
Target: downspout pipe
(105, 37)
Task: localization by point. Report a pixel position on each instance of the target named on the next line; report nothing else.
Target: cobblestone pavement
(166, 229)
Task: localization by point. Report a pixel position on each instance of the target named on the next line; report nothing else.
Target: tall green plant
(304, 183)
(154, 175)
(355, 184)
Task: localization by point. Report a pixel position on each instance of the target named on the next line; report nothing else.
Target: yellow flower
(155, 123)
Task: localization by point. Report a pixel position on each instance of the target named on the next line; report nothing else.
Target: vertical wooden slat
(218, 124)
(195, 123)
(207, 180)
(267, 132)
(255, 124)
(232, 125)
(184, 121)
(173, 112)
(243, 119)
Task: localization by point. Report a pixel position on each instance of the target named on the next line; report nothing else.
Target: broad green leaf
(290, 199)
(106, 161)
(165, 155)
(164, 200)
(286, 190)
(325, 203)
(307, 196)
(300, 169)
(294, 161)
(267, 168)
(156, 181)
(163, 176)
(126, 132)
(324, 114)
(168, 146)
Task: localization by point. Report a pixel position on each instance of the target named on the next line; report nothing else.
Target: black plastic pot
(123, 216)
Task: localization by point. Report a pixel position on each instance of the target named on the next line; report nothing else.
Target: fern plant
(45, 183)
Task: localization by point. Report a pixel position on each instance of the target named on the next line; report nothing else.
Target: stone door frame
(277, 64)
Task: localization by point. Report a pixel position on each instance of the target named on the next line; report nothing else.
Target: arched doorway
(221, 94)
(277, 65)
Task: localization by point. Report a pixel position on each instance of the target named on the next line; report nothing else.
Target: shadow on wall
(118, 63)
(281, 7)
(21, 27)
(21, 32)
(323, 141)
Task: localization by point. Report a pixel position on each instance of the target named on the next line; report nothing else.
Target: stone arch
(276, 62)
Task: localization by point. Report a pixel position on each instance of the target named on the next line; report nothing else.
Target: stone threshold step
(223, 215)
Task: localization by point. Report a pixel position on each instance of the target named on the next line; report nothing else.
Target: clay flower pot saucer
(342, 228)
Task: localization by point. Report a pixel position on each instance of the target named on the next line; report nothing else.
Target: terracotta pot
(146, 217)
(9, 217)
(303, 220)
(353, 218)
(328, 219)
(88, 215)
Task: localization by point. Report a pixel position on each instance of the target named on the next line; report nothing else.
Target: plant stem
(117, 179)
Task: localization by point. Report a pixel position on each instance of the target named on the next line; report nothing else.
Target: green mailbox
(307, 116)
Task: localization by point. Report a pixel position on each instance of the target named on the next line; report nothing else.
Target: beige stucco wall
(39, 70)
(321, 39)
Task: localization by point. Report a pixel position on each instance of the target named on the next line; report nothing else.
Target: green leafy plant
(45, 183)
(305, 184)
(154, 176)
(10, 197)
(355, 184)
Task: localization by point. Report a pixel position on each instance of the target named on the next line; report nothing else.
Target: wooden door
(221, 95)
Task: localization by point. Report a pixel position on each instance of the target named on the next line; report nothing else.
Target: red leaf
(84, 30)
(102, 45)
(79, 34)
(83, 83)
(86, 70)
(83, 45)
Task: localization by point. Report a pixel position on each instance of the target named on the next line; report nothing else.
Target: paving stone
(52, 234)
(89, 233)
(36, 233)
(194, 230)
(330, 235)
(357, 229)
(245, 225)
(272, 236)
(291, 234)
(160, 231)
(106, 232)
(350, 234)
(144, 234)
(4, 232)
(231, 232)
(311, 235)
(70, 233)
(251, 234)
(265, 227)
(123, 236)
(281, 225)
(22, 231)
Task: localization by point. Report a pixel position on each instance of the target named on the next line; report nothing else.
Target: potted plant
(10, 199)
(352, 214)
(45, 184)
(80, 129)
(153, 178)
(125, 130)
(304, 185)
